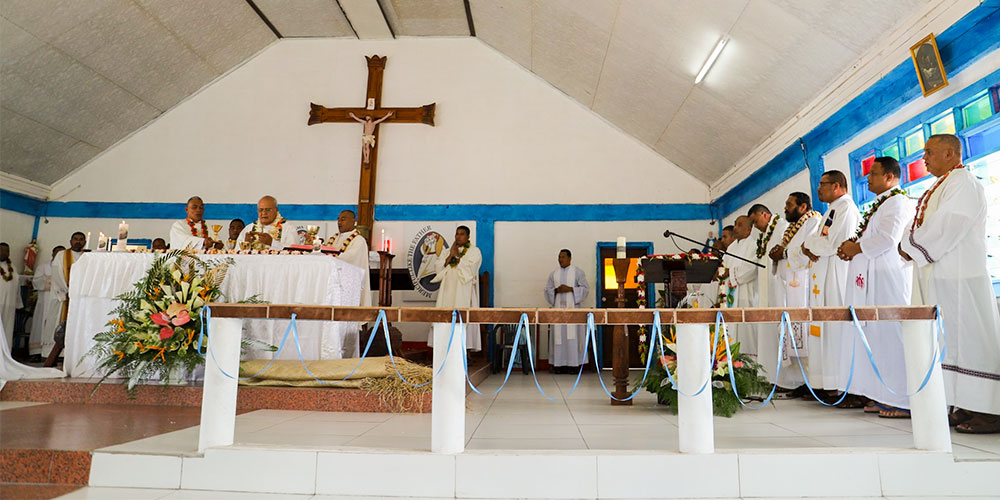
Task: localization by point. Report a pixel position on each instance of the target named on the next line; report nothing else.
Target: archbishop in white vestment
(458, 275)
(947, 242)
(792, 289)
(270, 230)
(828, 280)
(878, 276)
(566, 289)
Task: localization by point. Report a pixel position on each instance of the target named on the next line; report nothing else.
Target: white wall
(502, 135)
(15, 229)
(775, 198)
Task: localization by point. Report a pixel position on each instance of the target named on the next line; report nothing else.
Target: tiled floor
(521, 418)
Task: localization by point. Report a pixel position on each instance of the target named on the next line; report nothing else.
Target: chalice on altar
(215, 230)
(317, 243)
(244, 245)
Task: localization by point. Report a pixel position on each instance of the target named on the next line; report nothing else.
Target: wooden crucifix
(370, 116)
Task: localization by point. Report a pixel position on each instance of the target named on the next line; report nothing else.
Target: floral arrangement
(765, 237)
(747, 373)
(156, 325)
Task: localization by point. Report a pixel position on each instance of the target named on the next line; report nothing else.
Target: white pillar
(218, 397)
(928, 408)
(448, 395)
(694, 413)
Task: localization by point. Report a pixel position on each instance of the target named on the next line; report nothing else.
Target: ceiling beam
(367, 19)
(264, 18)
(468, 17)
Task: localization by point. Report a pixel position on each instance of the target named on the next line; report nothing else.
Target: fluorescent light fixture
(711, 60)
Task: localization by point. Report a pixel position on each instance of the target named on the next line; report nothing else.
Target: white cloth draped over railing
(97, 278)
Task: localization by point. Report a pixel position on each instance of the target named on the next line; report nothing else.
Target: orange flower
(119, 353)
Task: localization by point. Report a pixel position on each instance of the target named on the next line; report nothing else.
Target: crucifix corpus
(370, 116)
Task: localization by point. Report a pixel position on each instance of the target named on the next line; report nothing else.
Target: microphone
(667, 233)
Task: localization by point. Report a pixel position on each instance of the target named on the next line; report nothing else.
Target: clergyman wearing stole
(566, 289)
(947, 242)
(769, 228)
(458, 273)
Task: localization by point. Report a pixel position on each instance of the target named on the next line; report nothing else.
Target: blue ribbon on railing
(785, 320)
(936, 356)
(522, 325)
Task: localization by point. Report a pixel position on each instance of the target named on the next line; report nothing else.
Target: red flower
(166, 332)
(737, 364)
(160, 318)
(182, 318)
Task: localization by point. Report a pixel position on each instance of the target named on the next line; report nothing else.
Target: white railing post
(694, 413)
(928, 408)
(218, 396)
(448, 394)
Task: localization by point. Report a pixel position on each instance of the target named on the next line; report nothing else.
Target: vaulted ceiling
(76, 76)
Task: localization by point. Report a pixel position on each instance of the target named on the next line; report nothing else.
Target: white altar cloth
(97, 278)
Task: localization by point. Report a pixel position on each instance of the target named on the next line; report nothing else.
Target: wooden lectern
(677, 273)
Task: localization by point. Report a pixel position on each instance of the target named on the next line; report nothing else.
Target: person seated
(270, 231)
(159, 245)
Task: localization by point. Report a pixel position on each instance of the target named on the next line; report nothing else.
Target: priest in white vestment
(10, 292)
(270, 230)
(42, 283)
(724, 294)
(566, 289)
(192, 231)
(828, 280)
(792, 290)
(458, 274)
(878, 276)
(947, 242)
(743, 279)
(769, 228)
(58, 307)
(353, 250)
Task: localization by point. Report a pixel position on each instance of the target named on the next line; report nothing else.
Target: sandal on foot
(853, 401)
(959, 416)
(980, 423)
(872, 408)
(891, 412)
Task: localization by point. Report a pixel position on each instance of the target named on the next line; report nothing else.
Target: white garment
(355, 254)
(566, 341)
(878, 276)
(289, 235)
(827, 286)
(181, 237)
(42, 283)
(59, 295)
(10, 300)
(949, 251)
(459, 289)
(768, 293)
(793, 287)
(12, 370)
(743, 277)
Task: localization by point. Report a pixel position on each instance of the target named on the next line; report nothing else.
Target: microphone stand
(669, 234)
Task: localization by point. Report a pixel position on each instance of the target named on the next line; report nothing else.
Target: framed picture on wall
(930, 69)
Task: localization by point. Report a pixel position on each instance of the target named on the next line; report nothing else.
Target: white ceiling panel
(306, 18)
(222, 32)
(426, 17)
(47, 19)
(15, 44)
(569, 43)
(506, 26)
(34, 151)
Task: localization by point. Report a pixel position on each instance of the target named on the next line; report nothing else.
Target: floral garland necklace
(279, 222)
(794, 228)
(194, 232)
(918, 218)
(455, 260)
(871, 211)
(765, 237)
(9, 273)
(347, 241)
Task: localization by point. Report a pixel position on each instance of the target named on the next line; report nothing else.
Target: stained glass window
(944, 125)
(914, 142)
(977, 111)
(891, 149)
(916, 170)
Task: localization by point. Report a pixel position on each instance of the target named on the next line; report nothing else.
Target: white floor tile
(295, 439)
(756, 442)
(659, 430)
(135, 471)
(656, 444)
(680, 476)
(299, 426)
(232, 495)
(413, 474)
(915, 474)
(485, 476)
(392, 442)
(837, 427)
(808, 474)
(515, 431)
(526, 444)
(232, 469)
(103, 493)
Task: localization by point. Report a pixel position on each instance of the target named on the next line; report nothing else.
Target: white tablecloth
(97, 278)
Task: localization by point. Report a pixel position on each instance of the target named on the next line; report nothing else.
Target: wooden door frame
(650, 291)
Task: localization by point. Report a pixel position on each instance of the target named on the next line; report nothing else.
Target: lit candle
(385, 246)
(388, 246)
(87, 244)
(102, 242)
(621, 247)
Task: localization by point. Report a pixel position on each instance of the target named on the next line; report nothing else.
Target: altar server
(566, 288)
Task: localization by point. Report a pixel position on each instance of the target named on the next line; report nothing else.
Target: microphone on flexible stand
(667, 233)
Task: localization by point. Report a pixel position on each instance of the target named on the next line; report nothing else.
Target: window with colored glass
(914, 141)
(891, 149)
(977, 111)
(943, 125)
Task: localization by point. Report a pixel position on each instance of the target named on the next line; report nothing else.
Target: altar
(97, 278)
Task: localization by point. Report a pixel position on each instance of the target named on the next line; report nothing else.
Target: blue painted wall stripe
(975, 35)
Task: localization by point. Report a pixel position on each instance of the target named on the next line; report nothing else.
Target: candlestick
(621, 247)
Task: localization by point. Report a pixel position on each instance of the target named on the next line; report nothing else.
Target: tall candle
(385, 246)
(621, 247)
(102, 242)
(87, 244)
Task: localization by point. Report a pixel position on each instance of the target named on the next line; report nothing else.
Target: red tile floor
(45, 449)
